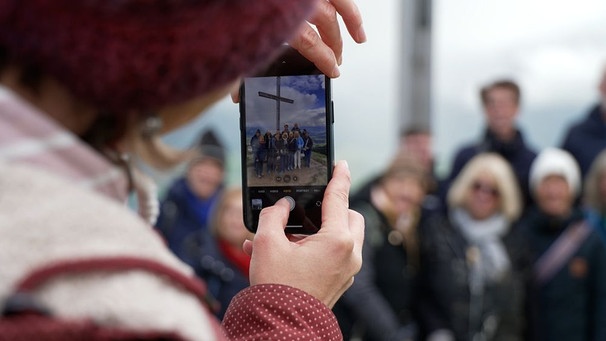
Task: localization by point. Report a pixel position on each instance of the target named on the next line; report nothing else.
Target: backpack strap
(552, 260)
(43, 274)
(24, 319)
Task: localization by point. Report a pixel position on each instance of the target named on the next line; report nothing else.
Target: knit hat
(555, 161)
(210, 146)
(144, 54)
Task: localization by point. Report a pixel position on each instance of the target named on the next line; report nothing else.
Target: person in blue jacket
(185, 211)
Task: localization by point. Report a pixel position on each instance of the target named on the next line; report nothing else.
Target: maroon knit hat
(143, 54)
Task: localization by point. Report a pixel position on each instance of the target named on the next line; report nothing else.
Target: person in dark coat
(272, 152)
(501, 102)
(594, 195)
(472, 271)
(380, 303)
(185, 211)
(586, 138)
(567, 298)
(308, 145)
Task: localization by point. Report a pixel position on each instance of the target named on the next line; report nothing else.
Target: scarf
(485, 235)
(236, 256)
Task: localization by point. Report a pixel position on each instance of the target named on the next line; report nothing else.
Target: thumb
(272, 221)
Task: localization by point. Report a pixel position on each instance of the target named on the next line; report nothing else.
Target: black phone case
(306, 211)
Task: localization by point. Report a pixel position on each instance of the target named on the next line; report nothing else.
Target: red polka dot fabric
(279, 312)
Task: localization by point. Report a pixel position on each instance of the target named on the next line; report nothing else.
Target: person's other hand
(323, 264)
(325, 47)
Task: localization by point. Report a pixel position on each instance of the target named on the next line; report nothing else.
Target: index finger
(352, 18)
(335, 208)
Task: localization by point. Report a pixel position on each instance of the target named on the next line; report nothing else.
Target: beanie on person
(555, 161)
(122, 55)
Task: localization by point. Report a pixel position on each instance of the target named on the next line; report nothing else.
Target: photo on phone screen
(286, 138)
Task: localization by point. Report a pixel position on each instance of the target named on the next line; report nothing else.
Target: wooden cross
(278, 99)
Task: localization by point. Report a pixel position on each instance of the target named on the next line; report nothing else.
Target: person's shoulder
(526, 228)
(523, 142)
(363, 206)
(437, 234)
(61, 220)
(595, 242)
(435, 223)
(467, 151)
(462, 156)
(590, 120)
(468, 148)
(177, 190)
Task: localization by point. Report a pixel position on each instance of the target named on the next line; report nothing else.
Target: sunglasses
(478, 186)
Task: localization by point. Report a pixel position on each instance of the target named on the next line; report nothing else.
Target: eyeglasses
(478, 186)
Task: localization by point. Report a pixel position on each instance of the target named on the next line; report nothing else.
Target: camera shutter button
(291, 201)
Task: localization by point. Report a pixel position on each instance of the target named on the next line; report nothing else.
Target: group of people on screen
(282, 151)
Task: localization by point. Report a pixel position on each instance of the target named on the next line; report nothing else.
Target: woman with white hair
(568, 287)
(469, 267)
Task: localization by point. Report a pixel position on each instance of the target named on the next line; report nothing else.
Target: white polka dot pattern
(279, 312)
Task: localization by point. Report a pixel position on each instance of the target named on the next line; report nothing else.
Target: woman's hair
(406, 165)
(597, 170)
(226, 198)
(505, 180)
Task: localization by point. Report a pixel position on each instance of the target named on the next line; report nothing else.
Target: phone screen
(286, 123)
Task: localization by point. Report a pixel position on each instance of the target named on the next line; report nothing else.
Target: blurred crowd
(510, 245)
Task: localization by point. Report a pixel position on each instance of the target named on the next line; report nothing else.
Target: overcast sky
(554, 49)
(308, 107)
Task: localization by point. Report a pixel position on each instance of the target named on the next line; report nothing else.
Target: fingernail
(344, 163)
(335, 72)
(361, 35)
(340, 60)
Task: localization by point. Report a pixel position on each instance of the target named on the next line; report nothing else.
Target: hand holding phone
(322, 264)
(286, 140)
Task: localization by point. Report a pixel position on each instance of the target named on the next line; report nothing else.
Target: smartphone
(286, 125)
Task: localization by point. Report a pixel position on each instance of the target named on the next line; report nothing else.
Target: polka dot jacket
(278, 312)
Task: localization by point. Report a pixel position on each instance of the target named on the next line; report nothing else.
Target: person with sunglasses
(470, 266)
